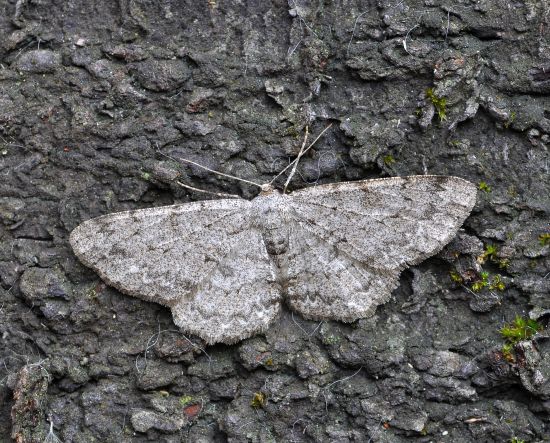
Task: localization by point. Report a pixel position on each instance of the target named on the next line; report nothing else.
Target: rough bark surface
(92, 93)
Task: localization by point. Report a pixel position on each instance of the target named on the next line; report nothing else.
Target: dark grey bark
(93, 92)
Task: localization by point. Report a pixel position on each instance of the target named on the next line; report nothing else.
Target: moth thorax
(268, 210)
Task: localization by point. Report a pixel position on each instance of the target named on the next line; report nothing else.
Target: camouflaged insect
(225, 266)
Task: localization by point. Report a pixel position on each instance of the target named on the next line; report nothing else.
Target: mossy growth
(508, 352)
(145, 175)
(486, 281)
(520, 329)
(440, 103)
(490, 252)
(186, 399)
(503, 263)
(259, 400)
(92, 293)
(517, 440)
(482, 283)
(293, 131)
(456, 277)
(330, 339)
(544, 239)
(483, 186)
(388, 160)
(512, 191)
(511, 119)
(497, 283)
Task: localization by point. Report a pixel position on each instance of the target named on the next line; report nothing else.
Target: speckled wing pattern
(224, 266)
(203, 260)
(350, 241)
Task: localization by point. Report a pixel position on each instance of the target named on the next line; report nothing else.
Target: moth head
(266, 188)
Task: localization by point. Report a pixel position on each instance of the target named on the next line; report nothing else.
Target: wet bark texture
(92, 93)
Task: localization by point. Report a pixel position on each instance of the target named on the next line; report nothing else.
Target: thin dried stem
(344, 379)
(353, 30)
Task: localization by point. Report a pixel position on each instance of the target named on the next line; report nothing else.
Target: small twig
(302, 24)
(424, 166)
(43, 370)
(293, 171)
(51, 437)
(321, 155)
(309, 334)
(353, 30)
(302, 19)
(475, 419)
(18, 9)
(344, 379)
(148, 346)
(377, 430)
(156, 337)
(11, 143)
(325, 388)
(244, 424)
(124, 419)
(294, 49)
(407, 36)
(197, 347)
(448, 24)
(469, 290)
(294, 425)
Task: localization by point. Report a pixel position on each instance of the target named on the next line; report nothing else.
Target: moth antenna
(293, 171)
(219, 194)
(184, 160)
(291, 164)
